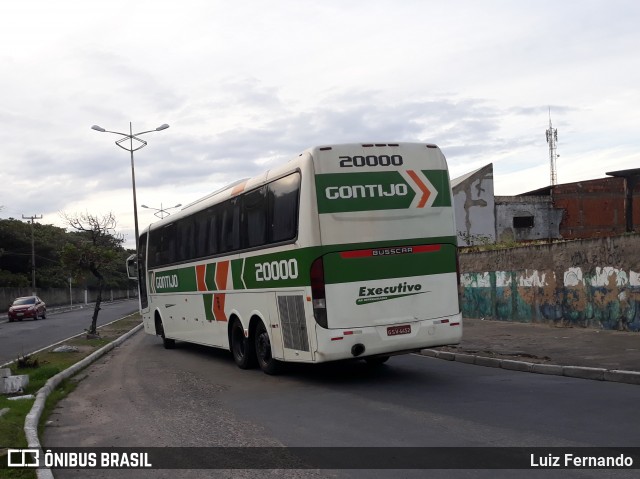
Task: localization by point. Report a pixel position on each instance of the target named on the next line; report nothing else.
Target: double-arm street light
(127, 139)
(162, 212)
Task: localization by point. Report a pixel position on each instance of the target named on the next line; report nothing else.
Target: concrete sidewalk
(547, 349)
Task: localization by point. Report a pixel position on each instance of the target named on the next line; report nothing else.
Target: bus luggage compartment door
(293, 327)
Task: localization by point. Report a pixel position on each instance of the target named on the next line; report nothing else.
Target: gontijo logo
(164, 282)
(365, 191)
(381, 190)
(168, 281)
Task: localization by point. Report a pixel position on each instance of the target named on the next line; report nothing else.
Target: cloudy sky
(247, 84)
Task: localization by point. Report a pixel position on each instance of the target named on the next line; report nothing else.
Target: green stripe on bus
(348, 270)
(208, 307)
(176, 280)
(210, 277)
(236, 273)
(345, 192)
(440, 180)
(291, 268)
(379, 190)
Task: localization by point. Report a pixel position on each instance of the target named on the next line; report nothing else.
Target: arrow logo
(426, 191)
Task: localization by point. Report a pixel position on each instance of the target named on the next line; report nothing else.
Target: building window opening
(523, 221)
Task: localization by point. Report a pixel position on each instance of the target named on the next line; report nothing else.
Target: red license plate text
(396, 330)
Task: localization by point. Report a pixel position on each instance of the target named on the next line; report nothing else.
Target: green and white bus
(346, 251)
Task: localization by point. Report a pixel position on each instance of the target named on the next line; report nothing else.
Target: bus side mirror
(132, 267)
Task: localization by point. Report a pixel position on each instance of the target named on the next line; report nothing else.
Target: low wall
(590, 283)
(60, 296)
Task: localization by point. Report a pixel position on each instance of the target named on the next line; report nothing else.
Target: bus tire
(376, 361)
(166, 342)
(242, 348)
(266, 361)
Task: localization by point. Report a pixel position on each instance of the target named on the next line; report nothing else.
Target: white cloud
(247, 84)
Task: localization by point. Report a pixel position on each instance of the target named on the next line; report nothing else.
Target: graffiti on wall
(584, 295)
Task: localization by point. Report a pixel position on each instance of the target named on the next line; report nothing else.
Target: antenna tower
(552, 139)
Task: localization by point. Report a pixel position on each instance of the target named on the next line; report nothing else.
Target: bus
(346, 251)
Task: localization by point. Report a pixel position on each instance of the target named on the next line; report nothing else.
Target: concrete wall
(473, 201)
(60, 296)
(546, 220)
(590, 283)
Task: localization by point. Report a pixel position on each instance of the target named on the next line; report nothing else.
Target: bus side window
(254, 218)
(168, 244)
(283, 207)
(230, 227)
(185, 236)
(213, 228)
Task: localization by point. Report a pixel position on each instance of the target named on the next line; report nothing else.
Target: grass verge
(40, 368)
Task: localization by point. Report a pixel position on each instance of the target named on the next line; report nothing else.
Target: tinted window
(268, 214)
(168, 244)
(283, 204)
(254, 218)
(185, 239)
(22, 301)
(230, 226)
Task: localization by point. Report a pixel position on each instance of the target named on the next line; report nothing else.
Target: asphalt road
(24, 337)
(145, 396)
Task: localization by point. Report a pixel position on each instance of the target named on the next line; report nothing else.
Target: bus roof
(315, 153)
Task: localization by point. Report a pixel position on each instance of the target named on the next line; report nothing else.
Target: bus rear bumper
(388, 339)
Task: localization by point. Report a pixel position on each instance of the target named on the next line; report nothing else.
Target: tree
(95, 248)
(16, 255)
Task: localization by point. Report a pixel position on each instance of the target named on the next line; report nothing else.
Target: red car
(27, 307)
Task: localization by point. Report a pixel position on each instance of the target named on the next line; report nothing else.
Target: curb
(598, 374)
(32, 419)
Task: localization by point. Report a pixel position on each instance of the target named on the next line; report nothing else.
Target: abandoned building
(585, 209)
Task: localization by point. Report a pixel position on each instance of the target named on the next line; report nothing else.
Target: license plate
(19, 314)
(396, 330)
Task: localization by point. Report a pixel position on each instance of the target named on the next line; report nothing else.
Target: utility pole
(33, 251)
(552, 138)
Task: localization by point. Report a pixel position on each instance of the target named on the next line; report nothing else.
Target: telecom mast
(552, 138)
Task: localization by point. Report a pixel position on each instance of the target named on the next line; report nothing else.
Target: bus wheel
(242, 348)
(263, 351)
(376, 360)
(166, 342)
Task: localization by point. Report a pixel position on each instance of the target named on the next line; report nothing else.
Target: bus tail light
(318, 295)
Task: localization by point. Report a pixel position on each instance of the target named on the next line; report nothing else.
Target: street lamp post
(121, 142)
(162, 212)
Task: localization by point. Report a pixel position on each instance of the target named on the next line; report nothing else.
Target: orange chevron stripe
(201, 271)
(426, 192)
(222, 271)
(218, 307)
